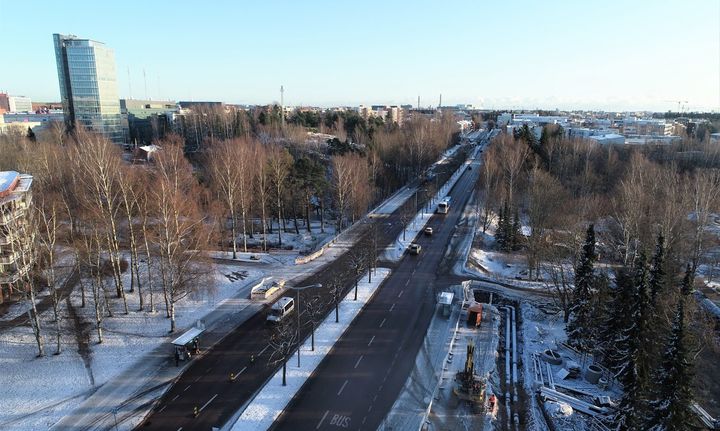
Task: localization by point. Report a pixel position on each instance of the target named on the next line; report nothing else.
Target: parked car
(415, 248)
(428, 231)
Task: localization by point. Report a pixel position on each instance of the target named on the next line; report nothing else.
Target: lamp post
(298, 289)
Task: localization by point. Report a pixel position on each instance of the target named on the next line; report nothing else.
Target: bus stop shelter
(187, 344)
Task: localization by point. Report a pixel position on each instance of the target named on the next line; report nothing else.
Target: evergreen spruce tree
(673, 395)
(636, 355)
(516, 231)
(688, 281)
(580, 326)
(507, 228)
(500, 231)
(617, 320)
(657, 270)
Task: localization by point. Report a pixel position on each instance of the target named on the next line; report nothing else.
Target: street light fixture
(298, 289)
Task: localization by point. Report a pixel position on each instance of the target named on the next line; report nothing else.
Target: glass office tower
(88, 85)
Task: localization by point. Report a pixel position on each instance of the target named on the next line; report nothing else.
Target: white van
(280, 309)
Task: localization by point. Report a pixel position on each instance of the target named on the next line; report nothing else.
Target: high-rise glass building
(88, 85)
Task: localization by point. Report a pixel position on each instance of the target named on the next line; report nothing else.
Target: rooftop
(8, 181)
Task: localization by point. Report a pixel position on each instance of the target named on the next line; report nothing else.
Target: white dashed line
(176, 397)
(263, 350)
(382, 323)
(321, 420)
(358, 361)
(206, 404)
(342, 387)
(401, 292)
(371, 340)
(188, 387)
(391, 307)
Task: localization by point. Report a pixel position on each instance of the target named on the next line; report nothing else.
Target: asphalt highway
(206, 386)
(358, 382)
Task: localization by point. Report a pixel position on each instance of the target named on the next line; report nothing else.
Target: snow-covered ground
(58, 384)
(543, 331)
(270, 401)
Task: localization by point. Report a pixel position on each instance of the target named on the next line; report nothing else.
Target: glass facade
(88, 86)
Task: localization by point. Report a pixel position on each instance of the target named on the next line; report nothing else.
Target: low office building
(15, 201)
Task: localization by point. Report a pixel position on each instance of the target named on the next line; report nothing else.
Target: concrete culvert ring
(551, 357)
(593, 373)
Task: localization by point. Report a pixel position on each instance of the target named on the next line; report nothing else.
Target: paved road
(206, 384)
(358, 382)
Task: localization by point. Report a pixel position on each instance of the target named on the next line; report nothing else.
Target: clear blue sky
(624, 55)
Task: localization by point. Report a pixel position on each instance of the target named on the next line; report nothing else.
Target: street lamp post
(297, 333)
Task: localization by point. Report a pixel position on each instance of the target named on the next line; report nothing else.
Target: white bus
(280, 309)
(444, 206)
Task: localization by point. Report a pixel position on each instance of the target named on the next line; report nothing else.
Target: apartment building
(15, 201)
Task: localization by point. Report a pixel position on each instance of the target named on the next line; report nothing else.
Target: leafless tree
(283, 343)
(313, 312)
(279, 164)
(47, 216)
(98, 167)
(179, 229)
(342, 185)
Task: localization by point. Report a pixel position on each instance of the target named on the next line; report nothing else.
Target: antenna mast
(282, 106)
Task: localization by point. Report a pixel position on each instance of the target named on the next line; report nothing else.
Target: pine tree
(580, 326)
(673, 395)
(688, 281)
(617, 320)
(657, 270)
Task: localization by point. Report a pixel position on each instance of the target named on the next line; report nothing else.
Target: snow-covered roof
(446, 298)
(188, 336)
(7, 180)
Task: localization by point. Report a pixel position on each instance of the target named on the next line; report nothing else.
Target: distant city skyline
(610, 55)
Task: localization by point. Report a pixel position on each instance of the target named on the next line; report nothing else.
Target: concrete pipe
(593, 374)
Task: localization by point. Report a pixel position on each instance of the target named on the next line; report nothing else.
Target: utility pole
(418, 105)
(282, 106)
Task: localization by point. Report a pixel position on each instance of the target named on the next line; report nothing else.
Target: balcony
(9, 258)
(9, 217)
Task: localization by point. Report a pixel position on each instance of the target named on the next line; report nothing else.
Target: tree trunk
(233, 233)
(35, 321)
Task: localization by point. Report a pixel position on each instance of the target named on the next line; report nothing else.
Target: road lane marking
(342, 387)
(206, 404)
(263, 350)
(241, 371)
(391, 307)
(160, 411)
(176, 397)
(188, 387)
(382, 323)
(401, 292)
(179, 429)
(197, 378)
(321, 420)
(371, 340)
(358, 361)
(407, 282)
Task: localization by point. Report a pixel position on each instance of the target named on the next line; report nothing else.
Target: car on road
(281, 309)
(428, 231)
(414, 248)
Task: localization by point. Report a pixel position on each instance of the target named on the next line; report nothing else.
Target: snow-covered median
(262, 411)
(395, 252)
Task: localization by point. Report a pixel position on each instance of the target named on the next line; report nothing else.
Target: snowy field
(57, 384)
(267, 405)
